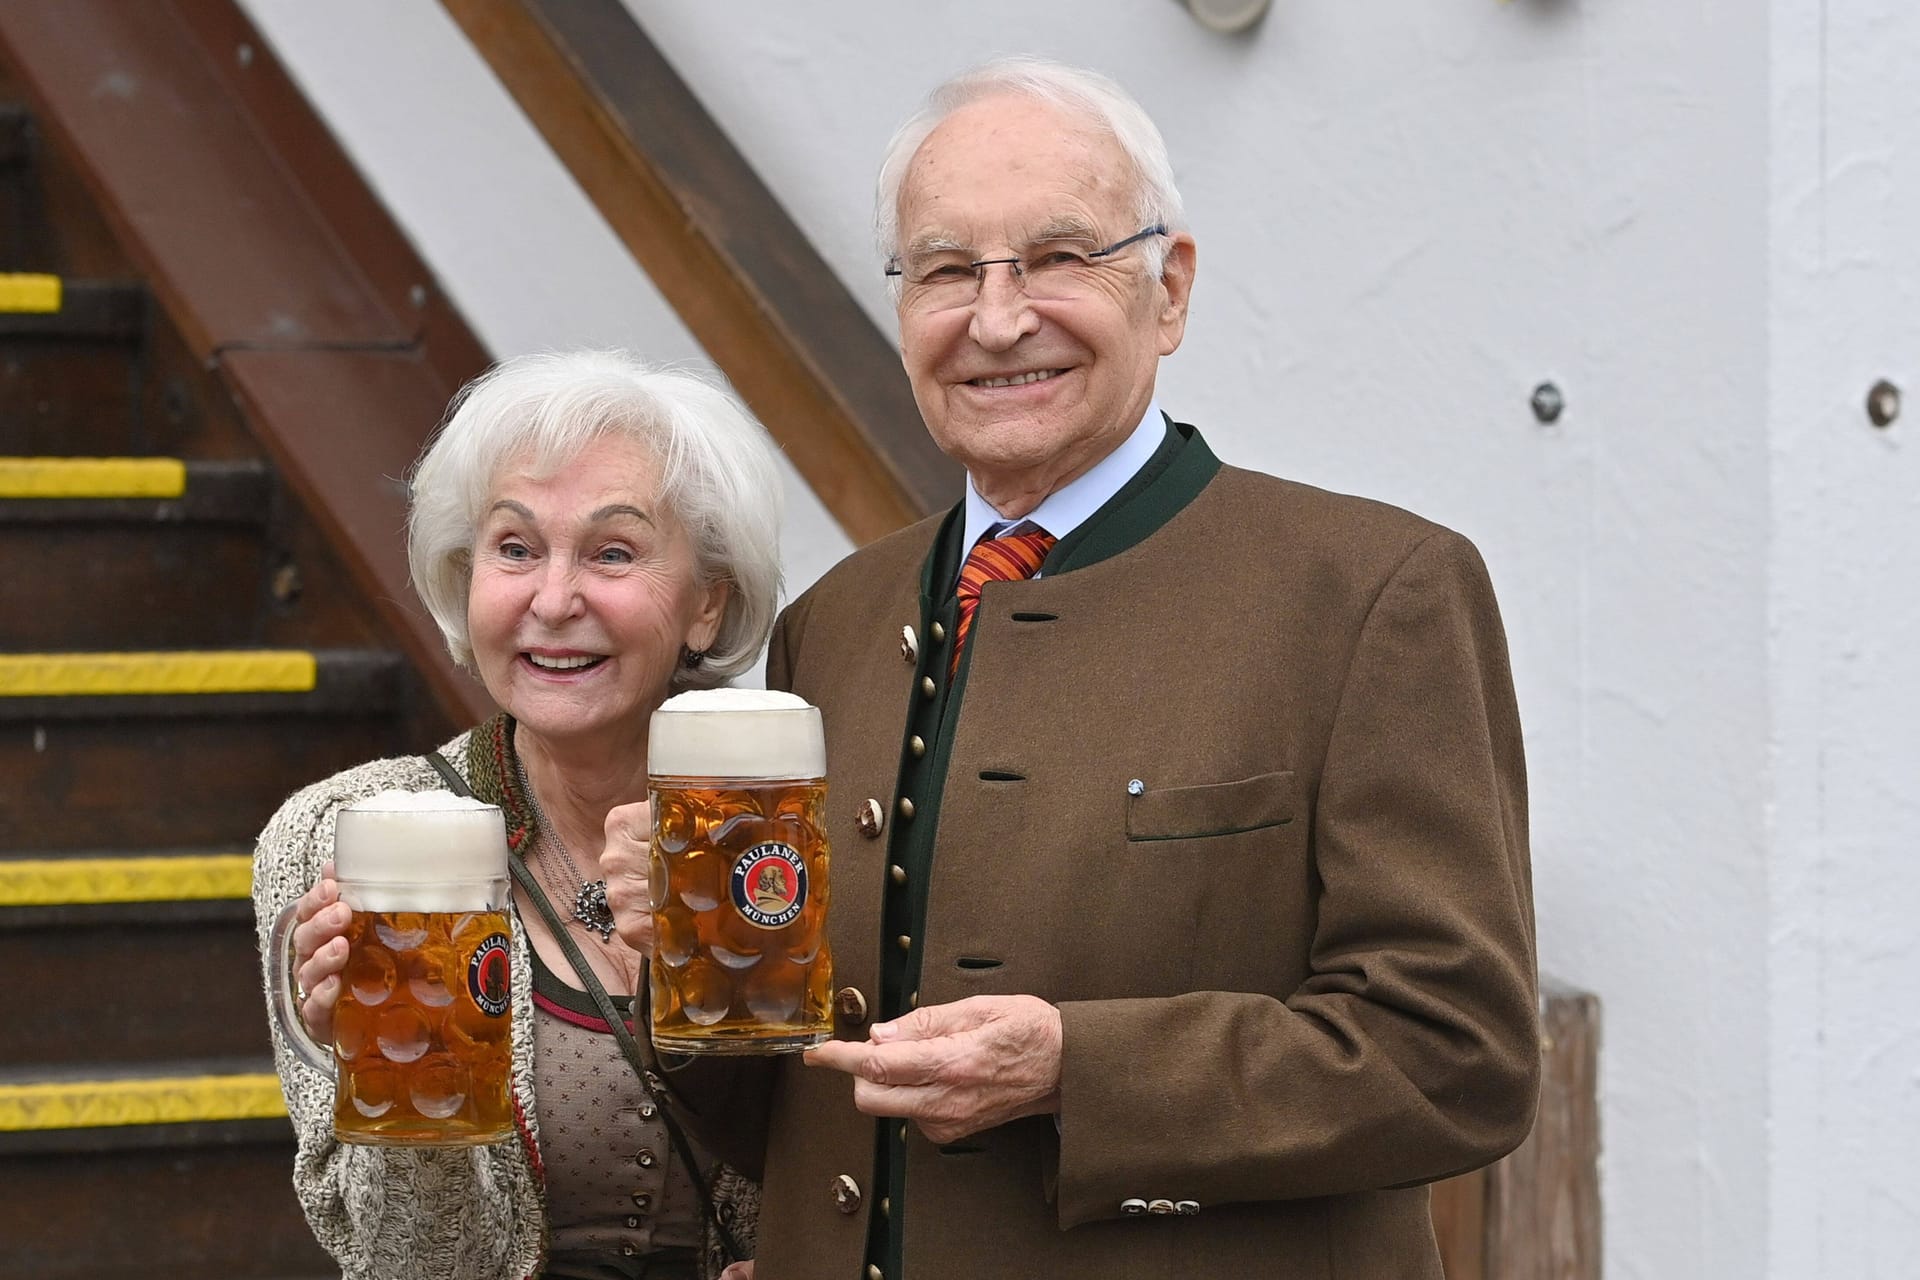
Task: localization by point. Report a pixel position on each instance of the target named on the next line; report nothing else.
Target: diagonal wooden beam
(722, 251)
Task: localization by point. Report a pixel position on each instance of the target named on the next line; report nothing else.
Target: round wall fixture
(1227, 16)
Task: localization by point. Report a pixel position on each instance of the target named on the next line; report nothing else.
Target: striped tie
(1003, 559)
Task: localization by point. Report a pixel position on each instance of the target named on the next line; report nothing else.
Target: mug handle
(285, 1013)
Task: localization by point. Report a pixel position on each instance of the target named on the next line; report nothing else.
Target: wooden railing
(722, 251)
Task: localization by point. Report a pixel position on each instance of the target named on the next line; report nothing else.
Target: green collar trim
(1179, 469)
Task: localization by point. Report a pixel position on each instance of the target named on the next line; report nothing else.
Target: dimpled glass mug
(422, 1050)
(738, 874)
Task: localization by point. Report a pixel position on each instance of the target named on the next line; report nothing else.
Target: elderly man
(1181, 905)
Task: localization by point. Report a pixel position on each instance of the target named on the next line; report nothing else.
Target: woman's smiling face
(584, 594)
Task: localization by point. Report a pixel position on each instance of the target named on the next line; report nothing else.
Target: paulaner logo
(769, 885)
(488, 975)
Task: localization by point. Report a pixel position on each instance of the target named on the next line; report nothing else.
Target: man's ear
(1176, 278)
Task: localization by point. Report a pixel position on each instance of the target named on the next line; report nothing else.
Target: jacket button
(644, 1158)
(928, 688)
(633, 1222)
(642, 1201)
(870, 819)
(874, 1273)
(909, 647)
(846, 1194)
(917, 745)
(938, 632)
(898, 872)
(1160, 1206)
(886, 1206)
(906, 942)
(850, 1005)
(906, 807)
(1186, 1208)
(1133, 1208)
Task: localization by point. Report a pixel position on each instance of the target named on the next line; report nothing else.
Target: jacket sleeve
(1411, 1051)
(468, 1212)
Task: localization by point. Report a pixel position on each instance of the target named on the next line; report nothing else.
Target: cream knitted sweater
(395, 1213)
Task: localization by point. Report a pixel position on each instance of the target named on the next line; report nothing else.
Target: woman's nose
(556, 595)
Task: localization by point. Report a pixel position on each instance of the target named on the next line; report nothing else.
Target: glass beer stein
(422, 1044)
(738, 875)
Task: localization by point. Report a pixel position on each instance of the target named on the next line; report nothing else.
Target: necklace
(590, 902)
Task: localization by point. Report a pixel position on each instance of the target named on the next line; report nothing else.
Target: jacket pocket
(1212, 809)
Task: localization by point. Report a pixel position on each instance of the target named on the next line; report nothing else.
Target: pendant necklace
(590, 902)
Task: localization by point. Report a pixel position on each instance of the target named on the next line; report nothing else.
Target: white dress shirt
(1072, 504)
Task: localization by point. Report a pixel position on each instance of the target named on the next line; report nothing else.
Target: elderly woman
(592, 535)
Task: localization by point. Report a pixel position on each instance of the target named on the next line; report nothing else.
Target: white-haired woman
(592, 535)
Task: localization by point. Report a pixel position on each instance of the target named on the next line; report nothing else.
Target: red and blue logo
(489, 975)
(769, 885)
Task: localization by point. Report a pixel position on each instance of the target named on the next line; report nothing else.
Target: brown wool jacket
(1295, 963)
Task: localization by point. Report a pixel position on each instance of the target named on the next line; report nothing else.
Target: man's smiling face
(1029, 393)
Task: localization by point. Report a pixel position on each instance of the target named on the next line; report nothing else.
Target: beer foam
(419, 851)
(736, 733)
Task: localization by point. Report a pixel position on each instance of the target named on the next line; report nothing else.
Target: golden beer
(422, 1035)
(739, 874)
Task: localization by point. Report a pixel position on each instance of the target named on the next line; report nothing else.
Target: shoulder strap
(629, 1048)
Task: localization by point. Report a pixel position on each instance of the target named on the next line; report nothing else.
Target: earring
(692, 658)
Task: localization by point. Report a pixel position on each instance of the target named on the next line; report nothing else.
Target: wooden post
(1536, 1214)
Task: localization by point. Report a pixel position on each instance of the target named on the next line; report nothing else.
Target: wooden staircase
(180, 648)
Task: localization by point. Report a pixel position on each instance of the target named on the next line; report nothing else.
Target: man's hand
(626, 864)
(956, 1069)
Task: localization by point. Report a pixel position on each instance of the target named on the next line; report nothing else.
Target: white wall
(1409, 212)
(1845, 621)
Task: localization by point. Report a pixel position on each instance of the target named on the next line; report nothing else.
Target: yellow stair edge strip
(49, 882)
(29, 292)
(92, 477)
(54, 675)
(99, 1104)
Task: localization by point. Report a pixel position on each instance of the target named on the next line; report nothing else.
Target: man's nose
(1002, 313)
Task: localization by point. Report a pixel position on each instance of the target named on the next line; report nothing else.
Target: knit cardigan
(423, 1213)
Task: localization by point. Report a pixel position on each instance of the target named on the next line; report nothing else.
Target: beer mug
(738, 875)
(422, 1049)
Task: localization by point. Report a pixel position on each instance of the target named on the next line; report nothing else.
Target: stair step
(177, 551)
(41, 306)
(195, 683)
(143, 491)
(156, 955)
(94, 1096)
(182, 1172)
(159, 770)
(80, 880)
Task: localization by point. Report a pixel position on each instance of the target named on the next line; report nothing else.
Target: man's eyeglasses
(1058, 270)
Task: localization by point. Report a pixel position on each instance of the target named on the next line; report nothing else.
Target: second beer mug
(739, 874)
(422, 1050)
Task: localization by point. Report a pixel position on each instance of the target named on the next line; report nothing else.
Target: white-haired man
(1181, 904)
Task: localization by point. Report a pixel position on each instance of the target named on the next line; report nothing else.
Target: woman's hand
(320, 953)
(625, 862)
